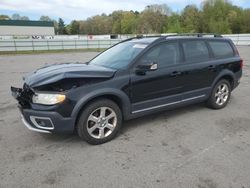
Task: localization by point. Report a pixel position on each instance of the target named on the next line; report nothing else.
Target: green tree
(116, 22)
(83, 27)
(236, 19)
(246, 21)
(100, 24)
(18, 17)
(215, 16)
(128, 22)
(61, 27)
(74, 27)
(174, 24)
(163, 9)
(4, 17)
(45, 18)
(190, 19)
(151, 21)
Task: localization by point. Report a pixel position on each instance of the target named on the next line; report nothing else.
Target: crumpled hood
(54, 73)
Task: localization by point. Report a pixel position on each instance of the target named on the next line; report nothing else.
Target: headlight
(47, 99)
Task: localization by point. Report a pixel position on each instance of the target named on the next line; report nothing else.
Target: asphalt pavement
(188, 147)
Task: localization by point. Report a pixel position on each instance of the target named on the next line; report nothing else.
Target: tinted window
(118, 56)
(195, 51)
(164, 54)
(221, 49)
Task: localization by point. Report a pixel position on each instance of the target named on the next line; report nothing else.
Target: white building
(25, 27)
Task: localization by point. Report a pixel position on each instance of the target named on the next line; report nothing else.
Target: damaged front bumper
(40, 120)
(30, 127)
(22, 95)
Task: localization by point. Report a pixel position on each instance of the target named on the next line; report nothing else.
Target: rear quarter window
(221, 49)
(195, 51)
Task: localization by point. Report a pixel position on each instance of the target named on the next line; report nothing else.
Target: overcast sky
(82, 9)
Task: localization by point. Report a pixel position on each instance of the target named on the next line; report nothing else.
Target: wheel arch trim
(223, 74)
(125, 102)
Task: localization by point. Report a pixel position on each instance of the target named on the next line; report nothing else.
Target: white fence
(54, 44)
(239, 39)
(65, 44)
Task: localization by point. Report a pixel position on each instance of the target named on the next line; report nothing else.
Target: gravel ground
(189, 147)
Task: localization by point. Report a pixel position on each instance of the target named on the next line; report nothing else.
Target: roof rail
(148, 36)
(195, 35)
(141, 37)
(174, 35)
(128, 39)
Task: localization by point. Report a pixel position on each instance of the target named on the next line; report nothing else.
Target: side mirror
(143, 68)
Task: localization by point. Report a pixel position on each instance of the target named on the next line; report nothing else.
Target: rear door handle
(175, 73)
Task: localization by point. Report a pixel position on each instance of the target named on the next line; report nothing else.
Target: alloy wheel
(222, 94)
(101, 122)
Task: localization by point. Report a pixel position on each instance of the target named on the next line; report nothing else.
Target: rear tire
(99, 122)
(220, 95)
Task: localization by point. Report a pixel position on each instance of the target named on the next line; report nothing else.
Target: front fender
(126, 107)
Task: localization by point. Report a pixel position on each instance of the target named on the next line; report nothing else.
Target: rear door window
(221, 49)
(195, 51)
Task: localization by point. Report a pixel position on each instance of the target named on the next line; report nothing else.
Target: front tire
(220, 95)
(99, 122)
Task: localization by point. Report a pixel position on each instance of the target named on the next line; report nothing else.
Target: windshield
(118, 56)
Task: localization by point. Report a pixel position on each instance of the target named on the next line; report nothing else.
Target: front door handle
(175, 73)
(211, 67)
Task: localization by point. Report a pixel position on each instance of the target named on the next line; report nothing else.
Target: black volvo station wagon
(135, 77)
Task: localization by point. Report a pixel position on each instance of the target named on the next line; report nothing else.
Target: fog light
(42, 122)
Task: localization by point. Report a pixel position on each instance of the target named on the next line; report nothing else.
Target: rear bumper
(236, 84)
(46, 122)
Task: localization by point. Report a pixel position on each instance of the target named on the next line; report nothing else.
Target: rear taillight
(241, 63)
